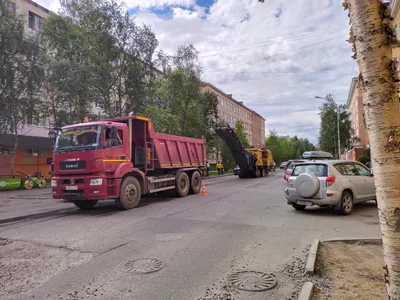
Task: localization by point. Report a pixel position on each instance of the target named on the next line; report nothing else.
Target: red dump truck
(123, 159)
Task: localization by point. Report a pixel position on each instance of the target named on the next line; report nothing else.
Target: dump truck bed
(173, 151)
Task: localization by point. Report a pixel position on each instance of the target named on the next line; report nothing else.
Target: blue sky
(275, 57)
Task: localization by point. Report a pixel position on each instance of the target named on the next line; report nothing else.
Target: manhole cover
(144, 265)
(252, 281)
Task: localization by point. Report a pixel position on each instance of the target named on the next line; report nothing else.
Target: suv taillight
(330, 180)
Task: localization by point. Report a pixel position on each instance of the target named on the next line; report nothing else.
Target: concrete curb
(377, 240)
(211, 177)
(306, 291)
(312, 255)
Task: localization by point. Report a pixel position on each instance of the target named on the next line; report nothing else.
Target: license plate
(71, 188)
(300, 202)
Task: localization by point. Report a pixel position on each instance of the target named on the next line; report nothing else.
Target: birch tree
(373, 39)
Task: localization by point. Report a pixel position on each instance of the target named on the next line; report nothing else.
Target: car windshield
(293, 163)
(78, 138)
(318, 170)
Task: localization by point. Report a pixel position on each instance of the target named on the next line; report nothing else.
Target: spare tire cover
(306, 185)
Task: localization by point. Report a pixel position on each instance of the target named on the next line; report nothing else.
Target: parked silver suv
(333, 183)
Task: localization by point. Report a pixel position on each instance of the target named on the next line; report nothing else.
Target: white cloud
(158, 3)
(276, 56)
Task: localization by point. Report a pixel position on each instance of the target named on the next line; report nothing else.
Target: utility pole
(338, 132)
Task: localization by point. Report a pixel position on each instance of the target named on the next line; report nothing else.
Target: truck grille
(72, 165)
(73, 181)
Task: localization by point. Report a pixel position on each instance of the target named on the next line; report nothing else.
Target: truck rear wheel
(129, 194)
(182, 184)
(195, 183)
(85, 204)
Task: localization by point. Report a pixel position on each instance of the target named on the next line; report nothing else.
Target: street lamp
(338, 127)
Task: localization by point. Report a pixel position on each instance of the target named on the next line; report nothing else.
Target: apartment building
(232, 111)
(34, 146)
(357, 118)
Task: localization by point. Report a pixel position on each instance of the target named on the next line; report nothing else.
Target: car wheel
(298, 206)
(346, 203)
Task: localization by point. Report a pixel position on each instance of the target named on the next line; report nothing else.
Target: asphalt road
(242, 224)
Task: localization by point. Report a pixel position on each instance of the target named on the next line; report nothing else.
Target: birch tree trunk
(373, 38)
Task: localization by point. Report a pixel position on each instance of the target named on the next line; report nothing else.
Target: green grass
(215, 172)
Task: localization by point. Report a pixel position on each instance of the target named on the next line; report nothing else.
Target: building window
(34, 21)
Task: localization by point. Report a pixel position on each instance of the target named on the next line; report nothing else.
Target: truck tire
(195, 183)
(85, 204)
(129, 194)
(182, 184)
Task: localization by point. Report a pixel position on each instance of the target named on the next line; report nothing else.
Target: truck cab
(85, 157)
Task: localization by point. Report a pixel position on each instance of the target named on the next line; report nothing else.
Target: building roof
(353, 87)
(240, 103)
(39, 6)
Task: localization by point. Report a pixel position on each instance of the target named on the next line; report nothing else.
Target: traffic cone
(204, 191)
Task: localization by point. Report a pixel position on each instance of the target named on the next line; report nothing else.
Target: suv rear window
(318, 170)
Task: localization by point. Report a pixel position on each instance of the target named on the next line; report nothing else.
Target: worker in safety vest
(219, 166)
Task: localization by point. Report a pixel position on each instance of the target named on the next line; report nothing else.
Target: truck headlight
(53, 182)
(97, 181)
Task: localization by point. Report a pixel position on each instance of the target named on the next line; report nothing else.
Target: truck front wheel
(85, 204)
(129, 194)
(182, 184)
(195, 182)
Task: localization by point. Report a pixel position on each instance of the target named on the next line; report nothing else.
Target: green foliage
(179, 98)
(367, 153)
(99, 57)
(284, 147)
(239, 130)
(21, 72)
(328, 135)
(363, 159)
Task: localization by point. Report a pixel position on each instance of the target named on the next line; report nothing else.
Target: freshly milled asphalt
(242, 224)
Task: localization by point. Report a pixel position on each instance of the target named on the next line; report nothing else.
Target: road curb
(306, 291)
(377, 240)
(34, 216)
(312, 255)
(210, 177)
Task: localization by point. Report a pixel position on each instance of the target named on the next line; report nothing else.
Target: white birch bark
(373, 38)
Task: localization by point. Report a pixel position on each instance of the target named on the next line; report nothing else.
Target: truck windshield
(78, 138)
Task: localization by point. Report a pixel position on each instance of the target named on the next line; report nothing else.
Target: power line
(267, 41)
(263, 44)
(293, 50)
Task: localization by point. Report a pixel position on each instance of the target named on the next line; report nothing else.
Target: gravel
(25, 266)
(220, 291)
(296, 270)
